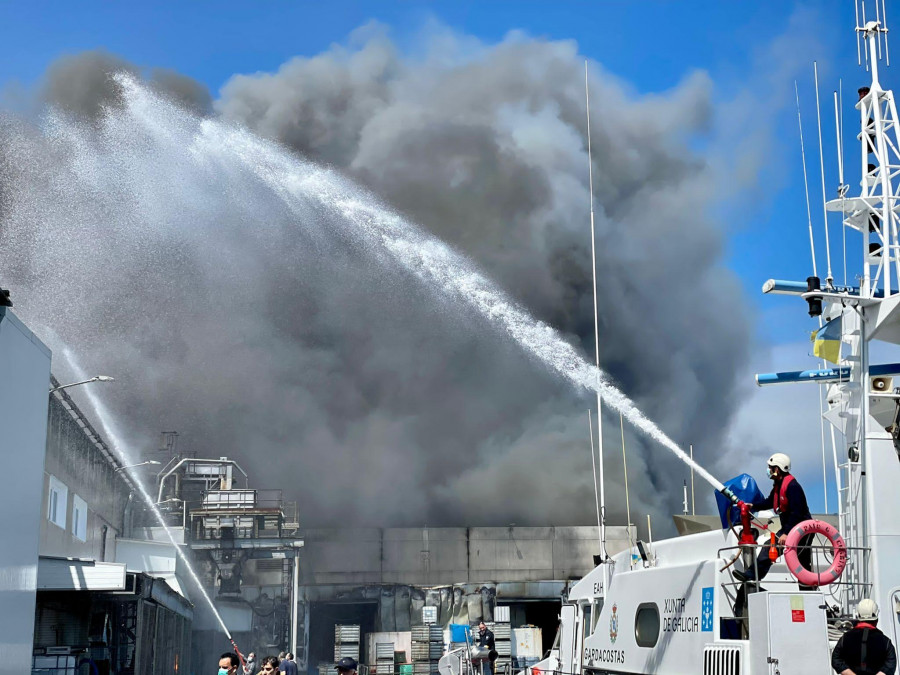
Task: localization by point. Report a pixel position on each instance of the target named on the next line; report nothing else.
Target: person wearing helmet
(789, 501)
(864, 650)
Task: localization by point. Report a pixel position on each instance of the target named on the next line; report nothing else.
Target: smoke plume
(332, 375)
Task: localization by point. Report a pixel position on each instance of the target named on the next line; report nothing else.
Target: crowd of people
(230, 664)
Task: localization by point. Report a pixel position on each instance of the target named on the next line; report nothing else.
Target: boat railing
(844, 592)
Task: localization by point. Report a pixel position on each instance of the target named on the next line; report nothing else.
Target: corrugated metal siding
(60, 624)
(56, 574)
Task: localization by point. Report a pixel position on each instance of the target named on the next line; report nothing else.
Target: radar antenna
(878, 48)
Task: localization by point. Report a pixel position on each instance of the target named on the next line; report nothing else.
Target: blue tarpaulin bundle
(744, 487)
(459, 632)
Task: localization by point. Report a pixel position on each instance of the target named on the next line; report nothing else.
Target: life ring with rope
(838, 549)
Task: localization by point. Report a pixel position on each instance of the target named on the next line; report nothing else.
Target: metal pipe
(824, 375)
(782, 287)
(294, 592)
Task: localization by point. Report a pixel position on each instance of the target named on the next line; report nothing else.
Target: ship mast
(871, 311)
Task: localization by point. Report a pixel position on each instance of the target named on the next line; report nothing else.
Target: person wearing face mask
(250, 665)
(228, 663)
(789, 502)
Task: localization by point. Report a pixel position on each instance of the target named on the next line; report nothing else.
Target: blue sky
(651, 45)
(752, 52)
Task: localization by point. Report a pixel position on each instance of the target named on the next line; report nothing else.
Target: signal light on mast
(815, 304)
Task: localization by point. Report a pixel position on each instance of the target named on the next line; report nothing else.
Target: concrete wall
(24, 382)
(451, 555)
(74, 459)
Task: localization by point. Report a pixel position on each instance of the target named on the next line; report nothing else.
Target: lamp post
(133, 466)
(96, 378)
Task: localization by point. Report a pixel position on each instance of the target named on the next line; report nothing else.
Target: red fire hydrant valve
(746, 529)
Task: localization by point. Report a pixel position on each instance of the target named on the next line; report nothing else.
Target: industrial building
(95, 603)
(24, 378)
(109, 591)
(381, 579)
(68, 598)
(243, 543)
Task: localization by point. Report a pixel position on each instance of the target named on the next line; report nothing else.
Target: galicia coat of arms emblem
(613, 625)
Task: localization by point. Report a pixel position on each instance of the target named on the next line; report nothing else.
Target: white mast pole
(625, 469)
(596, 329)
(594, 468)
(812, 242)
(693, 502)
(829, 278)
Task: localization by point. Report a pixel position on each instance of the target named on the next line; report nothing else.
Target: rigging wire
(812, 249)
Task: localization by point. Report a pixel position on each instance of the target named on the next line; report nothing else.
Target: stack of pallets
(502, 636)
(346, 642)
(427, 648)
(384, 658)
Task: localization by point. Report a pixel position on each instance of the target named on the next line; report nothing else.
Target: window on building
(79, 518)
(57, 501)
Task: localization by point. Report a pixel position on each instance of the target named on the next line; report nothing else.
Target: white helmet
(867, 610)
(780, 460)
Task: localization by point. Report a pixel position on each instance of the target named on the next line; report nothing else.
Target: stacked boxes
(346, 642)
(502, 635)
(427, 648)
(384, 658)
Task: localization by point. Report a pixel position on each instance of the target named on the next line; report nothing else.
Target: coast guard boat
(667, 607)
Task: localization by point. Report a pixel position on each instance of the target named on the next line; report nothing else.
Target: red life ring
(838, 547)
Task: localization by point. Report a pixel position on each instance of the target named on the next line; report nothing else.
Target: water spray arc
(118, 447)
(145, 144)
(422, 255)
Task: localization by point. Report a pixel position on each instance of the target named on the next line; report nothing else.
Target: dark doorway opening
(541, 613)
(324, 616)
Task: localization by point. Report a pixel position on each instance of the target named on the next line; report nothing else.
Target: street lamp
(96, 378)
(132, 466)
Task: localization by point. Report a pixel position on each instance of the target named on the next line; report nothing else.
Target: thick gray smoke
(336, 377)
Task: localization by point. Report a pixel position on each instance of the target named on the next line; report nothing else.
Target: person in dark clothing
(789, 502)
(486, 641)
(346, 666)
(287, 664)
(485, 636)
(864, 650)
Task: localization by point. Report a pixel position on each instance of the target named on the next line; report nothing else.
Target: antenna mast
(872, 213)
(596, 328)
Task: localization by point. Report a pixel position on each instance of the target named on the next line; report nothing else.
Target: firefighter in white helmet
(788, 500)
(864, 650)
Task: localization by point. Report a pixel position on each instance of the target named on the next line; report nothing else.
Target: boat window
(588, 626)
(646, 624)
(595, 614)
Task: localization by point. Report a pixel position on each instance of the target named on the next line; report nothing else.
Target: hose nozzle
(733, 497)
